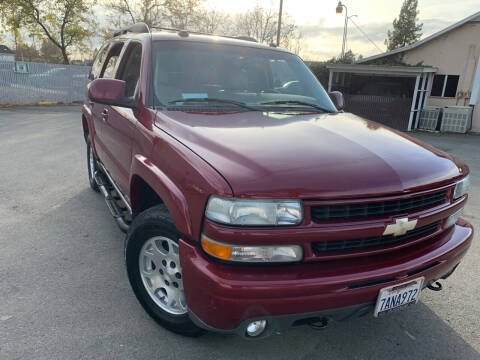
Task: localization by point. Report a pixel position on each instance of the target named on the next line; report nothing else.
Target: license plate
(398, 296)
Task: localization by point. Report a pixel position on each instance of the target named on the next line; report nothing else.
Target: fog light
(256, 328)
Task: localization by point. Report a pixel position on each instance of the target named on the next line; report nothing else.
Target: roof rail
(246, 38)
(184, 33)
(138, 28)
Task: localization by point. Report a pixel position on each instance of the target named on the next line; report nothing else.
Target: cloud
(376, 31)
(324, 42)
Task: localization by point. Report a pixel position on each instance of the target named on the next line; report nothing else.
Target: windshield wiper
(296, 102)
(214, 100)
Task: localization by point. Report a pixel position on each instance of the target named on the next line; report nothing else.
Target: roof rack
(185, 33)
(246, 38)
(141, 28)
(138, 28)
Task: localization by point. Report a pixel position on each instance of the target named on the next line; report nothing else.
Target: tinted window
(437, 85)
(110, 67)
(130, 68)
(451, 87)
(111, 61)
(98, 62)
(253, 76)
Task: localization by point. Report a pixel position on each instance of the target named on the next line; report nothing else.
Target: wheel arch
(149, 186)
(86, 131)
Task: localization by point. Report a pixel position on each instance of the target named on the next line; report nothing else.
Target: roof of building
(381, 69)
(423, 41)
(5, 50)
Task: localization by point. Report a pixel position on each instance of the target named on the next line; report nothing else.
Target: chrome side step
(105, 172)
(112, 197)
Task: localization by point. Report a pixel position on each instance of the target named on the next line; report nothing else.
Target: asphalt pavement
(64, 293)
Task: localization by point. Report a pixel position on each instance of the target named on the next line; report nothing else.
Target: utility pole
(279, 22)
(339, 10)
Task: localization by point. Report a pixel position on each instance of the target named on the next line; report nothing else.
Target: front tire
(154, 270)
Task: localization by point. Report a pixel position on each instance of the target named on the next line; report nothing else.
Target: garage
(391, 95)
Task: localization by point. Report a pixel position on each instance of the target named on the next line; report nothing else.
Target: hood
(310, 155)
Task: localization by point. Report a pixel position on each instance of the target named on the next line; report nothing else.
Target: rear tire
(92, 166)
(154, 271)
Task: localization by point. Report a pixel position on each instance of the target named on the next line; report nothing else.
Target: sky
(322, 28)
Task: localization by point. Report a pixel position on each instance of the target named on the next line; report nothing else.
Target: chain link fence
(32, 82)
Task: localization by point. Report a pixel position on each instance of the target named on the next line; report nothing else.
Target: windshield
(217, 76)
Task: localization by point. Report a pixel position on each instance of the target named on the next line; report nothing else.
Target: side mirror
(109, 92)
(337, 99)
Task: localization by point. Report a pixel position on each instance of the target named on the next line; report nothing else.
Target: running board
(115, 210)
(112, 183)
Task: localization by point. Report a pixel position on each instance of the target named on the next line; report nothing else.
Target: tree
(258, 23)
(291, 39)
(349, 58)
(10, 19)
(180, 14)
(261, 24)
(50, 53)
(406, 30)
(319, 68)
(26, 52)
(212, 21)
(128, 12)
(65, 23)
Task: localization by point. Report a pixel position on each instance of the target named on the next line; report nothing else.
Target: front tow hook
(436, 286)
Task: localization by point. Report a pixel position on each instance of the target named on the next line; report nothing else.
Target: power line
(364, 34)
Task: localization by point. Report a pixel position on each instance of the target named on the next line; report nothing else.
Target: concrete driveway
(64, 293)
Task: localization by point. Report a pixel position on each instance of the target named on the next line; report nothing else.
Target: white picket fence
(42, 82)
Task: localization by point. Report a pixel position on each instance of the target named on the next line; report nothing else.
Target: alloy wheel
(159, 265)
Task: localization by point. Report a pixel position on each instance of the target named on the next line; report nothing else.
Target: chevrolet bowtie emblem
(400, 227)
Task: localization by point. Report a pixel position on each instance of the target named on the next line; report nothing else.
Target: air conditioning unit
(429, 118)
(456, 119)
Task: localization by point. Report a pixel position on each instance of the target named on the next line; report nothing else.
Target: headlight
(461, 188)
(252, 254)
(254, 212)
(452, 219)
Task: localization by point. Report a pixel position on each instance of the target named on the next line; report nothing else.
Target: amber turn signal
(216, 249)
(252, 253)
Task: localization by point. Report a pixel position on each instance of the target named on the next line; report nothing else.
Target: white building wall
(456, 52)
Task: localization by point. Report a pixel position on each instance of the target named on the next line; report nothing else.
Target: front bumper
(224, 297)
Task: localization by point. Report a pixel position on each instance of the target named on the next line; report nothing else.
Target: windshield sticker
(194, 95)
(276, 115)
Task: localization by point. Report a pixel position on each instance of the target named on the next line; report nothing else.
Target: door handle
(105, 115)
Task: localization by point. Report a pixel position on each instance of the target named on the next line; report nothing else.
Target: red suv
(251, 201)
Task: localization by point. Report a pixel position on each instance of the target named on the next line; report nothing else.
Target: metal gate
(389, 110)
